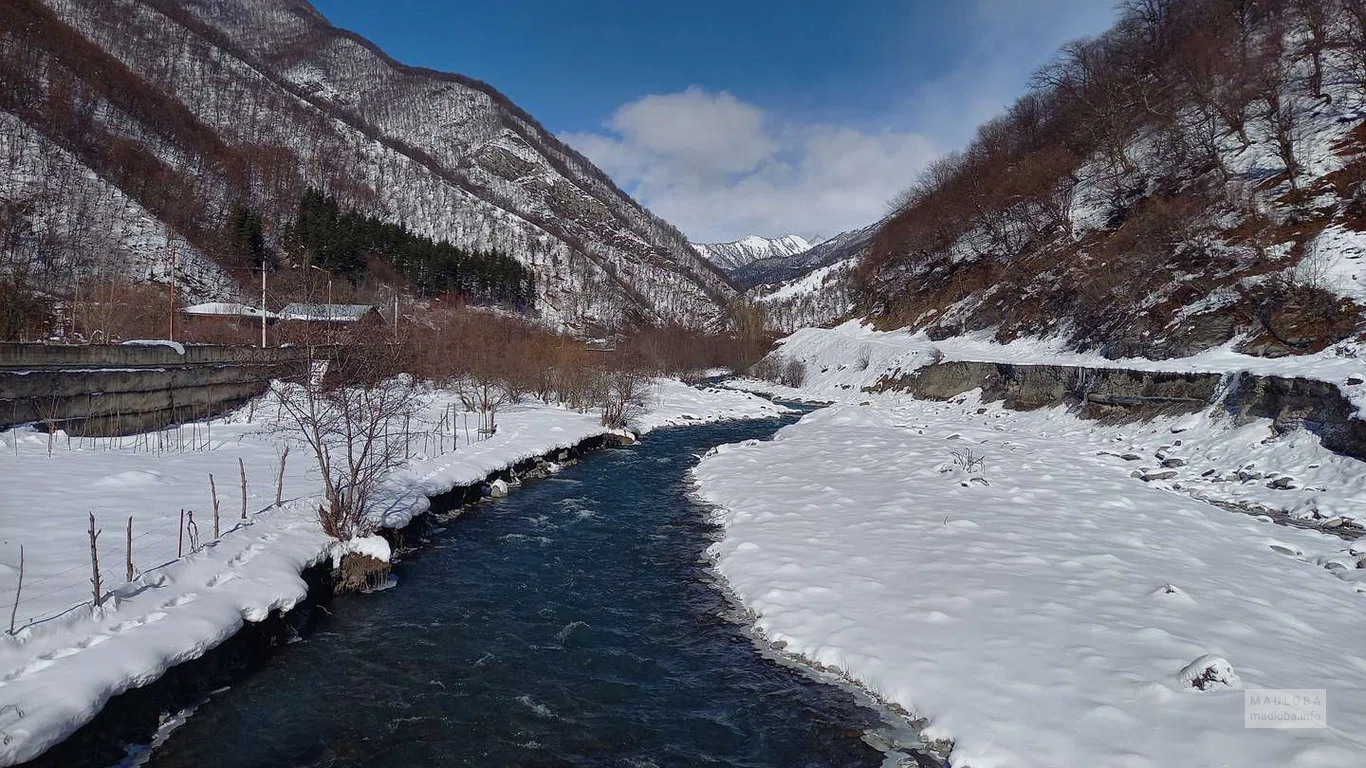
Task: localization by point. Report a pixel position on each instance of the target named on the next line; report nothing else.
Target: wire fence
(170, 538)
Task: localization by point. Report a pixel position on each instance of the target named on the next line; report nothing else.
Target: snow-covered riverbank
(1034, 584)
(840, 361)
(1038, 609)
(57, 674)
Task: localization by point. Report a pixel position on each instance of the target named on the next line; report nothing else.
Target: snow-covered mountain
(778, 269)
(1178, 183)
(739, 253)
(175, 110)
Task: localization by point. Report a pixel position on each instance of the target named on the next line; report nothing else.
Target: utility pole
(170, 328)
(263, 303)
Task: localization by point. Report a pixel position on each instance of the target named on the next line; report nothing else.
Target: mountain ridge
(275, 100)
(737, 254)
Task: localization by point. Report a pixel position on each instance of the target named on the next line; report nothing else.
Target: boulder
(1210, 673)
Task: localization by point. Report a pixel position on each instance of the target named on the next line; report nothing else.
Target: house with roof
(296, 319)
(221, 322)
(345, 314)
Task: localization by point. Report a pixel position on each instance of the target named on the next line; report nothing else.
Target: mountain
(786, 267)
(1194, 177)
(735, 255)
(133, 128)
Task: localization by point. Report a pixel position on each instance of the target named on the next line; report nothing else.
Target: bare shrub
(344, 412)
(623, 397)
(780, 370)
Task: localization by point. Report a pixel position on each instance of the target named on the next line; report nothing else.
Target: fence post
(94, 561)
(18, 590)
(243, 467)
(213, 490)
(280, 481)
(180, 543)
(129, 556)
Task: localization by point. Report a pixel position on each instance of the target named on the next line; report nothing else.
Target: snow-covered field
(1039, 610)
(57, 674)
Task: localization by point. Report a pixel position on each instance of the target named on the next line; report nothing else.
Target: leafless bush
(969, 460)
(344, 414)
(780, 370)
(623, 397)
(794, 374)
(865, 358)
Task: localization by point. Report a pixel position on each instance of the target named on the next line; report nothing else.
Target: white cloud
(720, 168)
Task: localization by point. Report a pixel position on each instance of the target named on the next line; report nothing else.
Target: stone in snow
(1210, 673)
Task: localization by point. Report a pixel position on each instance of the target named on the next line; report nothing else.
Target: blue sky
(744, 117)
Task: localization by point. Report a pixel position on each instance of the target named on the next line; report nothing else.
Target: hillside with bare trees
(1192, 177)
(133, 131)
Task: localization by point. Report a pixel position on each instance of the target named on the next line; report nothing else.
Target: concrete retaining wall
(114, 390)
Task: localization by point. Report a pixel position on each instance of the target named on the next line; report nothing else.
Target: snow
(1336, 261)
(834, 372)
(65, 661)
(746, 250)
(374, 545)
(671, 402)
(175, 345)
(1046, 608)
(225, 308)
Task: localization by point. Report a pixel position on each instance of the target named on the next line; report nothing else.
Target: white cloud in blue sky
(720, 167)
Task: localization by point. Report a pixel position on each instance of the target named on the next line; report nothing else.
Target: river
(575, 622)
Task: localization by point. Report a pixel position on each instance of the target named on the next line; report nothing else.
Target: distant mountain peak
(738, 253)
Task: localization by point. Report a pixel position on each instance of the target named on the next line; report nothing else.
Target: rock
(498, 489)
(360, 572)
(1282, 483)
(1207, 473)
(1333, 522)
(1173, 462)
(1355, 380)
(1165, 474)
(1210, 673)
(1131, 457)
(1246, 475)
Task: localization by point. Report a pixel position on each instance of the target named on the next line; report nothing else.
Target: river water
(572, 623)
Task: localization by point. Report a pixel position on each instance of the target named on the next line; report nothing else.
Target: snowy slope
(842, 360)
(739, 253)
(262, 99)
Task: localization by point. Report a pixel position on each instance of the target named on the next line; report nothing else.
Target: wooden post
(213, 489)
(280, 480)
(180, 544)
(18, 590)
(94, 561)
(243, 467)
(128, 558)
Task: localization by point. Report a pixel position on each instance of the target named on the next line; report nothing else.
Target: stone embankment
(1119, 394)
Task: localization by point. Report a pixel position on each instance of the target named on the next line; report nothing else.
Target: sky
(728, 119)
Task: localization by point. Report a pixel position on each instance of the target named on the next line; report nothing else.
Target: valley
(351, 414)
